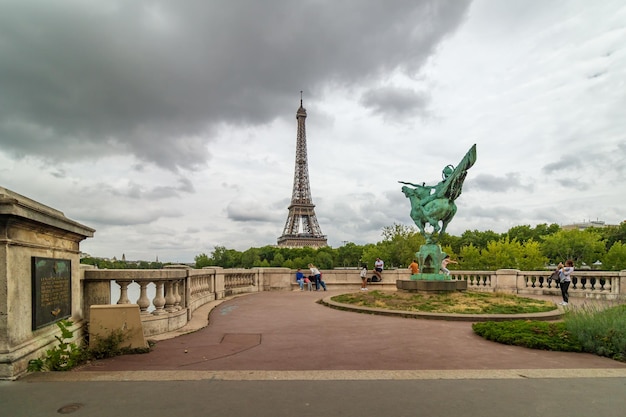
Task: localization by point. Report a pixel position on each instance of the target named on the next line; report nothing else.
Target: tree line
(521, 247)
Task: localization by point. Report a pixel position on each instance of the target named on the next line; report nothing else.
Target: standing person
(444, 264)
(414, 267)
(378, 268)
(363, 277)
(317, 276)
(566, 272)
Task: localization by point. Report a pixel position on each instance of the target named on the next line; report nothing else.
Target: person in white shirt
(364, 277)
(317, 276)
(378, 268)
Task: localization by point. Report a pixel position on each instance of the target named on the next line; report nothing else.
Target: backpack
(556, 277)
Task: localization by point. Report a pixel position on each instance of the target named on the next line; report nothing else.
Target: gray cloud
(123, 216)
(573, 183)
(250, 211)
(493, 213)
(394, 102)
(492, 183)
(154, 79)
(564, 163)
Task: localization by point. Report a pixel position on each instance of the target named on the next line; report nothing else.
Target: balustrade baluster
(584, 285)
(159, 299)
(143, 302)
(170, 298)
(123, 292)
(177, 296)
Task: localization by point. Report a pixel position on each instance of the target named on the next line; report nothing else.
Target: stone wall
(31, 230)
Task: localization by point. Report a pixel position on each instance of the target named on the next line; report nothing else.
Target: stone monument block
(104, 319)
(40, 279)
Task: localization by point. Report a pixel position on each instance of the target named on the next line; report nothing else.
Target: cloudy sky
(169, 127)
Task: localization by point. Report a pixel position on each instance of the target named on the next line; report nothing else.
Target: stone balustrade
(179, 290)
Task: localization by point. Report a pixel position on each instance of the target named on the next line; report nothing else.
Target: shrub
(586, 329)
(530, 334)
(62, 357)
(66, 355)
(602, 332)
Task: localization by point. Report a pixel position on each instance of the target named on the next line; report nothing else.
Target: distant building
(586, 225)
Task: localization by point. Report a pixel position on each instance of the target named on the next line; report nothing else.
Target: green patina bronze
(434, 206)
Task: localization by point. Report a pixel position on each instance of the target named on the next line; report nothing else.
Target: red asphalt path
(289, 331)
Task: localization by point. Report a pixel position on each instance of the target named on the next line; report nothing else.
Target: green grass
(602, 332)
(457, 302)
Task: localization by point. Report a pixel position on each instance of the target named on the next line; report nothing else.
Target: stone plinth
(429, 258)
(106, 319)
(431, 286)
(429, 277)
(31, 232)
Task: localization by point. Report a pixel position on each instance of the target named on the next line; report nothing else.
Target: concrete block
(125, 317)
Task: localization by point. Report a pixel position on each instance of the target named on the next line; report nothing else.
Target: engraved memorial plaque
(52, 290)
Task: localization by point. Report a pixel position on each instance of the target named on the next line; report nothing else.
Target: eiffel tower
(301, 228)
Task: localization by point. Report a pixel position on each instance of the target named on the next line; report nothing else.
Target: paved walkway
(281, 354)
(289, 331)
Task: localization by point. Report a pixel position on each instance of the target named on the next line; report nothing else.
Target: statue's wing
(452, 186)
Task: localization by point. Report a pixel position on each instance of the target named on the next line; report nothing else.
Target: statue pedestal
(431, 286)
(429, 258)
(429, 280)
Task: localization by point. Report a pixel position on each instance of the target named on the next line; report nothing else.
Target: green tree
(278, 260)
(324, 260)
(521, 233)
(400, 242)
(301, 262)
(452, 242)
(478, 239)
(501, 254)
(614, 234)
(532, 259)
(267, 253)
(470, 259)
(512, 254)
(580, 246)
(615, 259)
(250, 258)
(226, 258)
(543, 229)
(371, 252)
(349, 255)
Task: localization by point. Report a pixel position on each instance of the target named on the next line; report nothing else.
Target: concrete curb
(325, 375)
(554, 315)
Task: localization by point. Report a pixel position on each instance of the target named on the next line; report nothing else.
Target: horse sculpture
(434, 211)
(434, 204)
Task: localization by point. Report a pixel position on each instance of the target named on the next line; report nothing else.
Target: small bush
(530, 334)
(602, 332)
(62, 357)
(108, 347)
(585, 329)
(66, 355)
